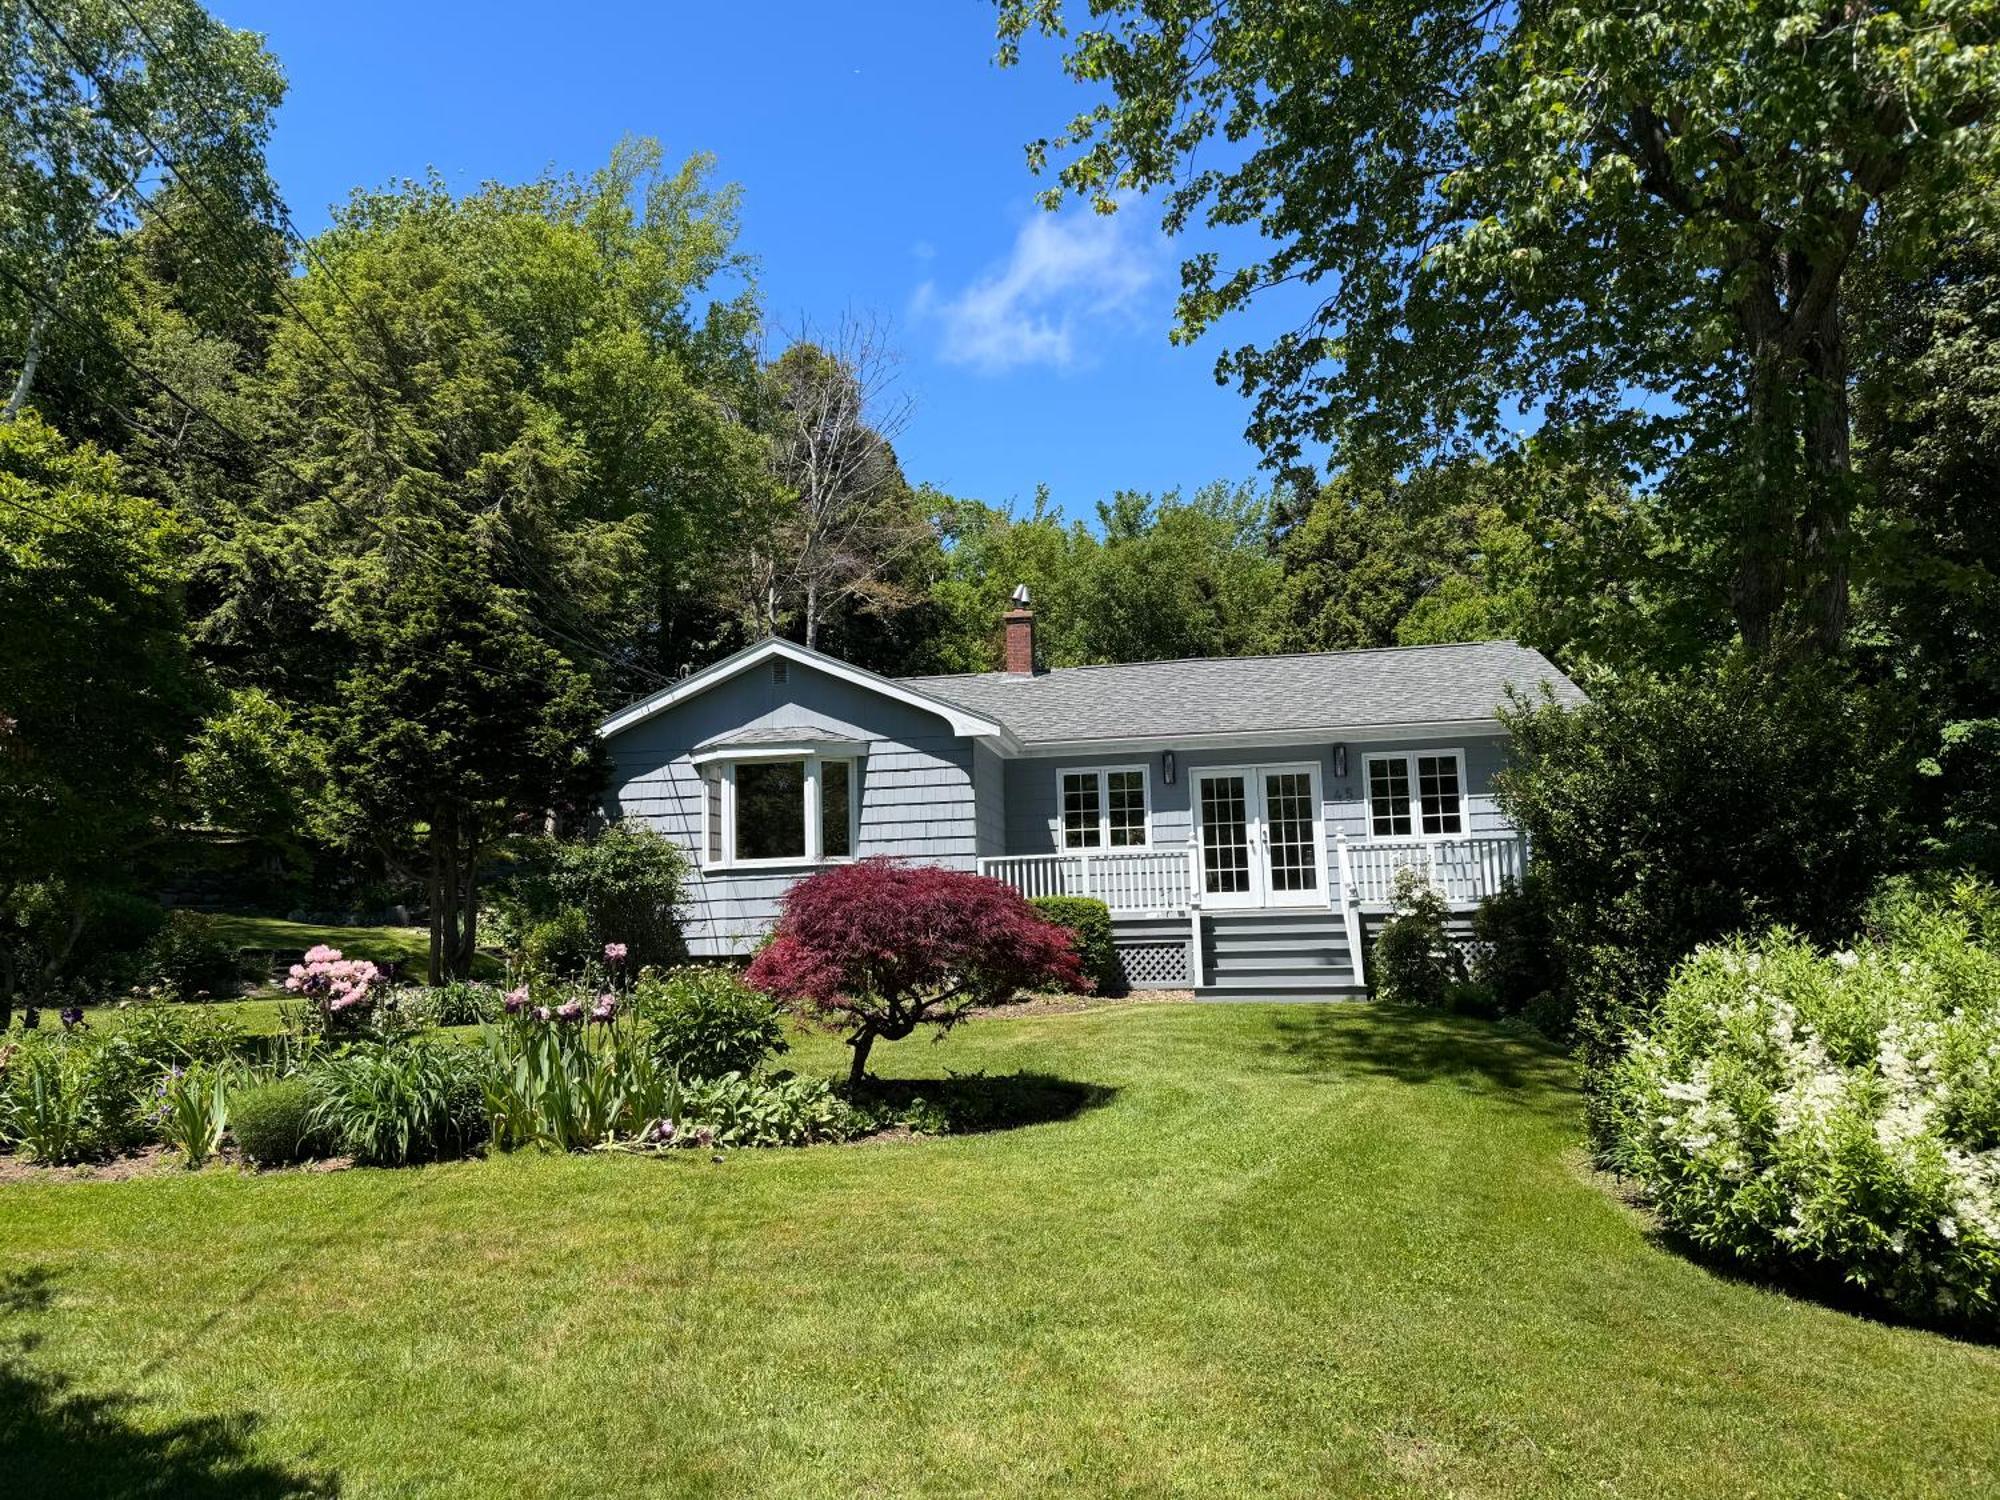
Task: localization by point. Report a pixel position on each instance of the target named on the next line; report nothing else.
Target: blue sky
(880, 154)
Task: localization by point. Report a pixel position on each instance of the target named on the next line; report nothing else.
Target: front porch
(1179, 924)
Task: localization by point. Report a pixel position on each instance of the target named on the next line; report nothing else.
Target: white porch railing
(1126, 880)
(1467, 870)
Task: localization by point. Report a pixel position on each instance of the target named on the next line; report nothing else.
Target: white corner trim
(961, 722)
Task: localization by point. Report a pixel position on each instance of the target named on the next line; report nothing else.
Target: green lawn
(1293, 1250)
(377, 944)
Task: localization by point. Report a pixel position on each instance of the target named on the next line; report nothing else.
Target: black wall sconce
(1340, 762)
(1167, 767)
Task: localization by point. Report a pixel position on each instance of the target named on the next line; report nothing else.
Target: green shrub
(462, 1002)
(1676, 810)
(390, 1103)
(734, 1110)
(272, 1122)
(560, 945)
(1415, 961)
(1513, 948)
(189, 957)
(1834, 1116)
(567, 898)
(161, 1035)
(121, 922)
(706, 1022)
(70, 1096)
(1090, 920)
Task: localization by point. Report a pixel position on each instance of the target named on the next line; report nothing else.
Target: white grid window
(1104, 809)
(1416, 795)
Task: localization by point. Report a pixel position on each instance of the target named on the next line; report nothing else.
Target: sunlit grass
(1294, 1250)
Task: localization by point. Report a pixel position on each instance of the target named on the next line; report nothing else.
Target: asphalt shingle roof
(777, 734)
(1255, 694)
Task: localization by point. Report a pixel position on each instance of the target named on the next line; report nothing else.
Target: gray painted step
(1314, 942)
(1279, 963)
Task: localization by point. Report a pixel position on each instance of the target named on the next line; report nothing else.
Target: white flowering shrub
(1830, 1114)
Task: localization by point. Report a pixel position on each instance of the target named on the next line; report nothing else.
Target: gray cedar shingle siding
(916, 784)
(1249, 695)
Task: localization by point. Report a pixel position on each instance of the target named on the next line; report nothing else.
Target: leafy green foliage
(392, 1103)
(706, 1022)
(1833, 1116)
(1645, 255)
(97, 691)
(193, 1111)
(1415, 961)
(1168, 577)
(1671, 811)
(566, 1083)
(190, 958)
(559, 945)
(1089, 920)
(1514, 954)
(626, 880)
(272, 1122)
(73, 1095)
(732, 1109)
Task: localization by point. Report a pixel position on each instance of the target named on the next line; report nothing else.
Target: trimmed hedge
(1090, 920)
(272, 1122)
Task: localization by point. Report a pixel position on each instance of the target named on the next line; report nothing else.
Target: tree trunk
(7, 980)
(1829, 490)
(812, 615)
(468, 932)
(857, 1070)
(31, 359)
(438, 903)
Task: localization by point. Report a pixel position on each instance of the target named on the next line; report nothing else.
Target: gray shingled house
(1243, 818)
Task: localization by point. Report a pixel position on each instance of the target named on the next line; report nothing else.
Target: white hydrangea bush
(1830, 1113)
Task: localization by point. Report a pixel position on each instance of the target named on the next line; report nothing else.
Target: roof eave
(1253, 738)
(972, 726)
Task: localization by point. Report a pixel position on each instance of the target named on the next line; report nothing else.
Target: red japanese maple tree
(882, 948)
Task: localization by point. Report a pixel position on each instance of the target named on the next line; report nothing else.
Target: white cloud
(1065, 276)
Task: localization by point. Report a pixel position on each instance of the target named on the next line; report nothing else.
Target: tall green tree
(504, 450)
(1158, 577)
(1635, 226)
(97, 692)
(102, 101)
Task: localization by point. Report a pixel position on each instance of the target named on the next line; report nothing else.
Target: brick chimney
(1020, 622)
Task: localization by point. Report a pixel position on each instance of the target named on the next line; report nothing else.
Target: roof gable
(963, 720)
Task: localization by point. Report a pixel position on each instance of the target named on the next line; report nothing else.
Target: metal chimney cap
(1020, 595)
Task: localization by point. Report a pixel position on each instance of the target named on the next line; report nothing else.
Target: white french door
(1260, 834)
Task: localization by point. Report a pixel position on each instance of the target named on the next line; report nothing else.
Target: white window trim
(1103, 775)
(1416, 835)
(725, 764)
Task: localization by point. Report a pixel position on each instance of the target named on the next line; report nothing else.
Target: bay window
(780, 809)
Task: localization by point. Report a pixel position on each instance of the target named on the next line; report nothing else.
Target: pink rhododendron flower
(334, 982)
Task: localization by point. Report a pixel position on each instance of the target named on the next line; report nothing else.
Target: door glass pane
(771, 810)
(1437, 785)
(1288, 823)
(835, 801)
(1126, 798)
(1389, 798)
(1225, 835)
(1079, 810)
